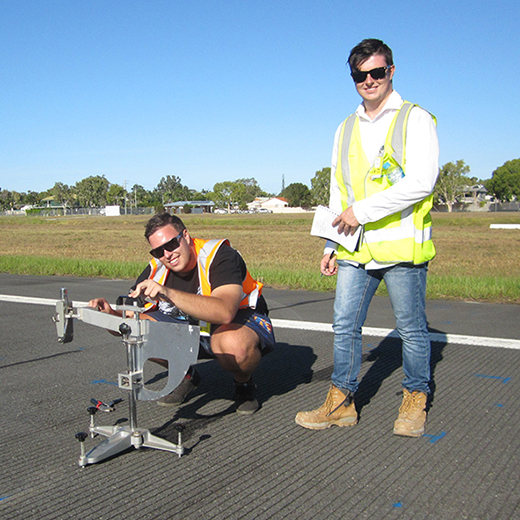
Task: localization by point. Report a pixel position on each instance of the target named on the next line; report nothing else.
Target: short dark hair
(366, 49)
(163, 219)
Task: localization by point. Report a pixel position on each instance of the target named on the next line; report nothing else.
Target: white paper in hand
(322, 227)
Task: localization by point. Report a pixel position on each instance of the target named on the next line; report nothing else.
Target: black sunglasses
(361, 75)
(171, 245)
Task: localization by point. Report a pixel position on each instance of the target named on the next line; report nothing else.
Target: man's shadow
(284, 369)
(386, 358)
(279, 372)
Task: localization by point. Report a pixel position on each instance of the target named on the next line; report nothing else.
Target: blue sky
(215, 90)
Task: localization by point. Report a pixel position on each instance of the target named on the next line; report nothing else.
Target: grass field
(473, 261)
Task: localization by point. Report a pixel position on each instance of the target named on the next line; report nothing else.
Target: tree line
(451, 187)
(97, 191)
(454, 180)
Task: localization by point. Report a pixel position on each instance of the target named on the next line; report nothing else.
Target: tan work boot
(412, 414)
(338, 409)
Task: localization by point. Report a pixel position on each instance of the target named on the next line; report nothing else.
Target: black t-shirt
(227, 267)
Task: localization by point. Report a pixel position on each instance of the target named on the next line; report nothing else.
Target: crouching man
(205, 281)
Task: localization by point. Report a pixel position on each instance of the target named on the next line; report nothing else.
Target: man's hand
(102, 305)
(328, 265)
(219, 308)
(152, 290)
(347, 222)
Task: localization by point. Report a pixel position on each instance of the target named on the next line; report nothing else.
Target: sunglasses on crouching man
(361, 75)
(170, 246)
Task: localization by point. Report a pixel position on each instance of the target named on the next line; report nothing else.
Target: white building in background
(270, 204)
(112, 211)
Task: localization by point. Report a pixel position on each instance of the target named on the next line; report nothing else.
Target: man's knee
(239, 341)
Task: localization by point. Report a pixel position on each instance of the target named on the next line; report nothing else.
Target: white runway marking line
(504, 226)
(35, 301)
(477, 341)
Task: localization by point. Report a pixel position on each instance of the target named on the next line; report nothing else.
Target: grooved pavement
(264, 466)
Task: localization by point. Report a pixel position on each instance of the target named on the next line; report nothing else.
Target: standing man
(384, 169)
(206, 281)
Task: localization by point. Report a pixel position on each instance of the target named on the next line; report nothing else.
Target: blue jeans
(355, 288)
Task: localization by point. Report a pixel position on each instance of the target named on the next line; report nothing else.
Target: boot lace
(328, 405)
(411, 404)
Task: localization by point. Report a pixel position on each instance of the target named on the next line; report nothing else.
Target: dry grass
(467, 246)
(468, 251)
(270, 240)
(83, 238)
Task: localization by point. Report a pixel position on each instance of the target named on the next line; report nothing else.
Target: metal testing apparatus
(177, 343)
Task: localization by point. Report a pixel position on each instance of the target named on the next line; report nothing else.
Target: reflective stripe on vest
(206, 251)
(402, 237)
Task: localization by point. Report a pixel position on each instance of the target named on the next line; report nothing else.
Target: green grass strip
(440, 287)
(485, 288)
(42, 266)
(302, 280)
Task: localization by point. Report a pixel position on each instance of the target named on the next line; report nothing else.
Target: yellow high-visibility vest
(404, 236)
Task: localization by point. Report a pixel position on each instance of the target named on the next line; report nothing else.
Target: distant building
(475, 194)
(274, 204)
(49, 202)
(112, 211)
(197, 206)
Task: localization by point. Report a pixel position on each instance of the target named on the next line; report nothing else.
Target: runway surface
(264, 466)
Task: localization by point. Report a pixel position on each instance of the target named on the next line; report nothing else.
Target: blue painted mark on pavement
(500, 405)
(504, 379)
(3, 498)
(102, 381)
(434, 438)
(398, 504)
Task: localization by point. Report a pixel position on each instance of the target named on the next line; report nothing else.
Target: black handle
(127, 300)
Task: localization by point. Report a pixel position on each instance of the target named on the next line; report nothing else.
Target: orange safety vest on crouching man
(206, 251)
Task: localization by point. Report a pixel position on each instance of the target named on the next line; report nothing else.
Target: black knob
(92, 410)
(81, 436)
(179, 427)
(125, 329)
